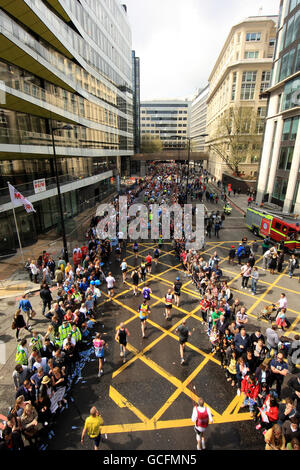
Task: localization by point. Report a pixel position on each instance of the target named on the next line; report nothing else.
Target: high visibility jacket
(37, 342)
(21, 356)
(64, 331)
(77, 335)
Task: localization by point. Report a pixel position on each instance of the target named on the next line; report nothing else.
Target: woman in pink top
(99, 345)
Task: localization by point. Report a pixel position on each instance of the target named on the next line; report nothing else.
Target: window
(262, 111)
(290, 128)
(233, 86)
(289, 37)
(286, 129)
(272, 41)
(278, 225)
(248, 85)
(291, 95)
(265, 81)
(251, 55)
(286, 158)
(253, 36)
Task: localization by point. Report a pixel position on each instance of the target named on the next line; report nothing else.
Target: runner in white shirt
(110, 281)
(124, 269)
(201, 417)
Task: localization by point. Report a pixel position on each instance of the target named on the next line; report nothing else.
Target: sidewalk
(239, 201)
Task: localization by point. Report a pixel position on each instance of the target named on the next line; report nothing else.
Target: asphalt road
(147, 403)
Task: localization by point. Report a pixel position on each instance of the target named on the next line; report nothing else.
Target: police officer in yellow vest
(76, 334)
(64, 330)
(22, 355)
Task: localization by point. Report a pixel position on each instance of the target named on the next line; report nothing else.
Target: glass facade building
(64, 63)
(279, 175)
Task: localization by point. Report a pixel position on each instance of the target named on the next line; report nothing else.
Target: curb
(27, 291)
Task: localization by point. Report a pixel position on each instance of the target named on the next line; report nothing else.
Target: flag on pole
(18, 199)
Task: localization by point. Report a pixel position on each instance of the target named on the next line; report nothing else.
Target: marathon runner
(169, 297)
(124, 270)
(184, 334)
(144, 311)
(121, 337)
(177, 288)
(146, 292)
(148, 260)
(110, 282)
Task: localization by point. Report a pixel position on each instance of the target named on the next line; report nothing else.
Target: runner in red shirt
(148, 260)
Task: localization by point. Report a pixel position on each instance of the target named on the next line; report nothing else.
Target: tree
(238, 136)
(150, 144)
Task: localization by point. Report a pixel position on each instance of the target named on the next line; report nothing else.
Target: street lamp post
(53, 129)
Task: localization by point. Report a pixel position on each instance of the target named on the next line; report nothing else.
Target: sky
(179, 41)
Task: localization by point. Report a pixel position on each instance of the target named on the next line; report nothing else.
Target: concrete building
(279, 175)
(163, 119)
(236, 85)
(62, 63)
(198, 119)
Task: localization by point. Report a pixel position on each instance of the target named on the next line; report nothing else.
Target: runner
(110, 282)
(143, 270)
(147, 291)
(144, 311)
(156, 255)
(99, 345)
(92, 426)
(124, 270)
(136, 249)
(184, 334)
(148, 260)
(201, 417)
(118, 252)
(121, 337)
(177, 288)
(169, 297)
(135, 280)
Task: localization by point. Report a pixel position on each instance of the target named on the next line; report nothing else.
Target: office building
(198, 119)
(62, 63)
(136, 101)
(163, 119)
(236, 104)
(279, 175)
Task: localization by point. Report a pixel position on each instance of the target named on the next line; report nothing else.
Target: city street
(147, 402)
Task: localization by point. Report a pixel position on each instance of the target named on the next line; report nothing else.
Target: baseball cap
(177, 278)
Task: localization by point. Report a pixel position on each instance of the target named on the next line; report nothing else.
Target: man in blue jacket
(26, 307)
(240, 253)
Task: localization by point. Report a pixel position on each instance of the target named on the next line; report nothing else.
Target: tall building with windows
(136, 101)
(164, 119)
(64, 62)
(237, 82)
(198, 119)
(279, 175)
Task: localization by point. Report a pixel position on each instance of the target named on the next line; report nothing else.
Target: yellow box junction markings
(155, 423)
(229, 415)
